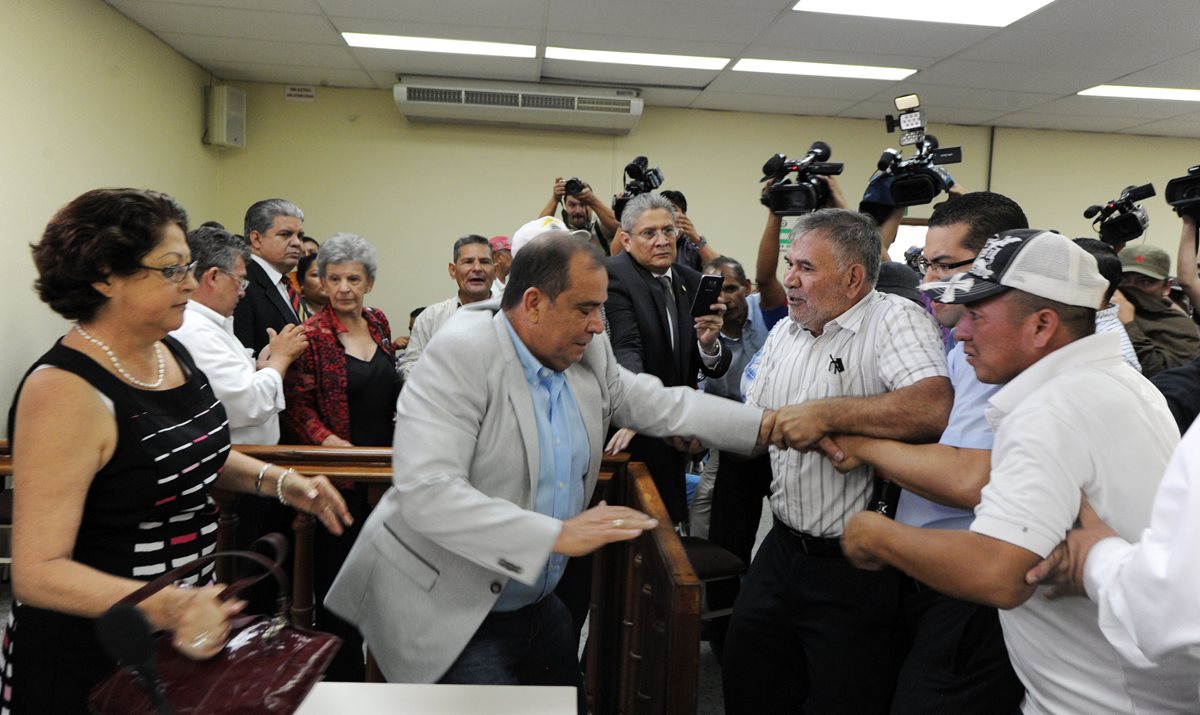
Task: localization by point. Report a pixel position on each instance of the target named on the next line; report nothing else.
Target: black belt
(820, 546)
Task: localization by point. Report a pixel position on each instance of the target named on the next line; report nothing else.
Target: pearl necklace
(158, 354)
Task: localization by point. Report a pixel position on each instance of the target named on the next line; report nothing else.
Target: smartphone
(706, 294)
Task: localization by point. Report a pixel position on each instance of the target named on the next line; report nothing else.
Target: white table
(412, 699)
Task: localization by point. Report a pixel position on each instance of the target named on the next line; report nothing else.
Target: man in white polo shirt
(1071, 418)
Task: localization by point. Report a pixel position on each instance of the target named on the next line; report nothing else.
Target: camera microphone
(773, 165)
(1091, 211)
(819, 151)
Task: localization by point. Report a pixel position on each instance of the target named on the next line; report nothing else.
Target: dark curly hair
(101, 233)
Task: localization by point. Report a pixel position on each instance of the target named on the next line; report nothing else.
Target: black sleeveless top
(146, 511)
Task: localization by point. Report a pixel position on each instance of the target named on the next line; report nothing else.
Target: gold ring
(618, 523)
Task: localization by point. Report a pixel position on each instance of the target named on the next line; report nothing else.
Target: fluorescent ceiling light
(821, 69)
(1127, 92)
(435, 44)
(637, 58)
(959, 12)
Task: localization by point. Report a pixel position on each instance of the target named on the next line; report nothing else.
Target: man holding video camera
(583, 210)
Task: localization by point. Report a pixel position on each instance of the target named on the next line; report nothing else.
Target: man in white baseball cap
(1072, 418)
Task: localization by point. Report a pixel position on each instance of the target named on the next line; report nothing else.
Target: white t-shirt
(1078, 419)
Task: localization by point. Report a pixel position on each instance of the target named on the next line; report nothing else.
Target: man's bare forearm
(941, 473)
(911, 414)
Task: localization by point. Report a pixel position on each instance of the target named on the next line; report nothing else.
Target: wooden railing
(644, 628)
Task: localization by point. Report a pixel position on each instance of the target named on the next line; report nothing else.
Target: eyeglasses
(242, 282)
(668, 231)
(926, 265)
(177, 273)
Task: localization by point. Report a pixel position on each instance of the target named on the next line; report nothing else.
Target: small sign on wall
(299, 93)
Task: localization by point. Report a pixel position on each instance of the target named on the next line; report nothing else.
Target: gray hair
(261, 215)
(639, 205)
(216, 247)
(854, 236)
(544, 263)
(348, 248)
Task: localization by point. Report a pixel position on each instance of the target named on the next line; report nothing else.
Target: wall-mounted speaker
(226, 116)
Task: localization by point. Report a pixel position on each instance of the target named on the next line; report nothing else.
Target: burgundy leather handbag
(267, 666)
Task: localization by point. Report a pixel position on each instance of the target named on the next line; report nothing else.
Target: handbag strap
(271, 567)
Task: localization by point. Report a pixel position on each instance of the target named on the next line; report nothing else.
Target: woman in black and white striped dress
(116, 438)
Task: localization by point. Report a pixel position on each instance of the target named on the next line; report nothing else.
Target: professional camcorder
(916, 180)
(805, 193)
(640, 180)
(1121, 220)
(1183, 193)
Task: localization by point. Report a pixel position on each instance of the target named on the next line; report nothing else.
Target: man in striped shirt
(809, 632)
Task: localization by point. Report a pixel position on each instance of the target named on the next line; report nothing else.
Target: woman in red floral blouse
(342, 392)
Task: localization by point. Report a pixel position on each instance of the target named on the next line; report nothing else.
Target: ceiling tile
(1176, 19)
(303, 7)
(624, 43)
(770, 103)
(161, 17)
(1168, 128)
(1113, 107)
(766, 51)
(440, 65)
(934, 97)
(1185, 64)
(797, 86)
(455, 32)
(1158, 78)
(231, 50)
(877, 110)
(521, 14)
(659, 20)
(626, 74)
(1046, 78)
(1118, 50)
(669, 96)
(1082, 123)
(817, 31)
(291, 74)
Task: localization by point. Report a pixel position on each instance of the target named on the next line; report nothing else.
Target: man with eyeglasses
(652, 329)
(251, 394)
(953, 653)
(1162, 335)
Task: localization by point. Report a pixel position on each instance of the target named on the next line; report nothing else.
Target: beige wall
(91, 99)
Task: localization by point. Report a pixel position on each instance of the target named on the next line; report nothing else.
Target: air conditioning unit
(579, 109)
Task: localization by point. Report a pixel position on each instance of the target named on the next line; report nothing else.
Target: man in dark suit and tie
(274, 229)
(652, 328)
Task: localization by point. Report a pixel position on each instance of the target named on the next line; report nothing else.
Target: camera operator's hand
(683, 224)
(560, 188)
(837, 200)
(708, 328)
(765, 190)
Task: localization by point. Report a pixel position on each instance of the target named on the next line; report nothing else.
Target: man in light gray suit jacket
(498, 445)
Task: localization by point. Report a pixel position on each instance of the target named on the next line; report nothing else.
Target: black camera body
(1121, 220)
(914, 180)
(1183, 193)
(805, 193)
(640, 179)
(574, 186)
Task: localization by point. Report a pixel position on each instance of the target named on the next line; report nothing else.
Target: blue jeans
(534, 645)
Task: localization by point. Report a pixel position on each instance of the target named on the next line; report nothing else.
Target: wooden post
(227, 523)
(302, 576)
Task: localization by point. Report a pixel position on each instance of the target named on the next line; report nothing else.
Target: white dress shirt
(1149, 592)
(1078, 420)
(427, 323)
(252, 398)
(881, 344)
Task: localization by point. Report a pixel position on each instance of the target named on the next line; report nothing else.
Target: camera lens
(573, 187)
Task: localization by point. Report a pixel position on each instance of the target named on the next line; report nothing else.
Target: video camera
(915, 181)
(1183, 193)
(641, 180)
(806, 193)
(1121, 220)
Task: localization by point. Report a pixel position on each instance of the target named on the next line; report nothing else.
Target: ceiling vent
(580, 109)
